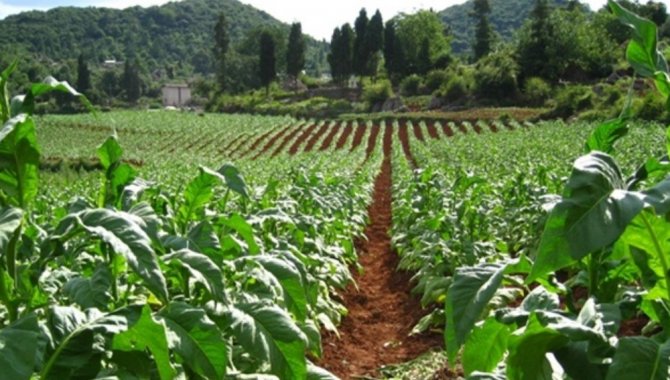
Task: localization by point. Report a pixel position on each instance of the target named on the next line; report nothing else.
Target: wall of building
(176, 96)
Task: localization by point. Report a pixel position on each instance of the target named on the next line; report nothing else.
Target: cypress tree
(361, 52)
(221, 45)
(268, 62)
(374, 40)
(347, 44)
(295, 53)
(483, 33)
(83, 75)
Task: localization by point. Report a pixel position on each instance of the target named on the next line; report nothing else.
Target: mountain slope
(506, 17)
(175, 33)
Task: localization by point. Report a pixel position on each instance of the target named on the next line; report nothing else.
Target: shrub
(536, 91)
(435, 79)
(456, 89)
(411, 86)
(652, 108)
(377, 92)
(496, 77)
(570, 100)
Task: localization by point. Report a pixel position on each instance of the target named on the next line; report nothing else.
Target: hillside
(179, 33)
(506, 17)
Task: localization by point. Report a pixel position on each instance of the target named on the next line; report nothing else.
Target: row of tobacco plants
(540, 286)
(216, 280)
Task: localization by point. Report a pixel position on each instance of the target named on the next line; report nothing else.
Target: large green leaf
(238, 224)
(148, 334)
(640, 358)
(291, 282)
(18, 349)
(648, 241)
(5, 112)
(74, 350)
(467, 298)
(593, 213)
(233, 179)
(117, 174)
(125, 237)
(268, 333)
(26, 104)
(198, 194)
(528, 348)
(603, 138)
(485, 347)
(19, 161)
(194, 337)
(202, 269)
(10, 220)
(93, 291)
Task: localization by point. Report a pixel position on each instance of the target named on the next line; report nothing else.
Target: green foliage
(484, 33)
(411, 85)
(295, 52)
(267, 60)
(220, 49)
(377, 92)
(422, 40)
(342, 53)
(496, 77)
(536, 91)
(571, 99)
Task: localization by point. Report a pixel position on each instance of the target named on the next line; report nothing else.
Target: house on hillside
(176, 95)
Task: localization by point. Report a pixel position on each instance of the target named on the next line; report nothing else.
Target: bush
(435, 79)
(651, 108)
(496, 77)
(570, 100)
(536, 91)
(377, 92)
(411, 86)
(456, 89)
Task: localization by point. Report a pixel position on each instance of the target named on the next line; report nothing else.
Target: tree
(268, 61)
(295, 53)
(341, 53)
(483, 33)
(83, 75)
(412, 31)
(361, 52)
(131, 81)
(374, 40)
(221, 45)
(533, 50)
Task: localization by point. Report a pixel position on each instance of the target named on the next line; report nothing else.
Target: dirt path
(301, 139)
(287, 140)
(403, 135)
(432, 131)
(372, 141)
(418, 132)
(447, 130)
(331, 136)
(361, 129)
(311, 144)
(344, 136)
(382, 312)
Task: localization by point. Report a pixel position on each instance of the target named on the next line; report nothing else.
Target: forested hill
(175, 33)
(506, 17)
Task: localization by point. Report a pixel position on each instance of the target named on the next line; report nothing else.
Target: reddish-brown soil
(344, 136)
(447, 130)
(418, 132)
(258, 142)
(404, 141)
(277, 137)
(358, 137)
(311, 144)
(462, 128)
(234, 141)
(381, 312)
(331, 136)
(493, 127)
(301, 139)
(372, 141)
(287, 140)
(432, 131)
(477, 128)
(633, 327)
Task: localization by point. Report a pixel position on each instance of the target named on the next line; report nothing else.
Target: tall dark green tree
(374, 40)
(268, 60)
(221, 46)
(533, 49)
(83, 75)
(361, 52)
(131, 81)
(295, 52)
(341, 53)
(424, 62)
(483, 31)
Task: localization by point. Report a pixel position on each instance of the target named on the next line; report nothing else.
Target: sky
(318, 17)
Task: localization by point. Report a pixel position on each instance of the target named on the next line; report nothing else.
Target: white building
(176, 95)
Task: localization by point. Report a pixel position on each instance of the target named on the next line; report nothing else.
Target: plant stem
(659, 252)
(5, 298)
(111, 258)
(594, 272)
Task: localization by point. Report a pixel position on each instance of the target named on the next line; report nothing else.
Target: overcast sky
(318, 17)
